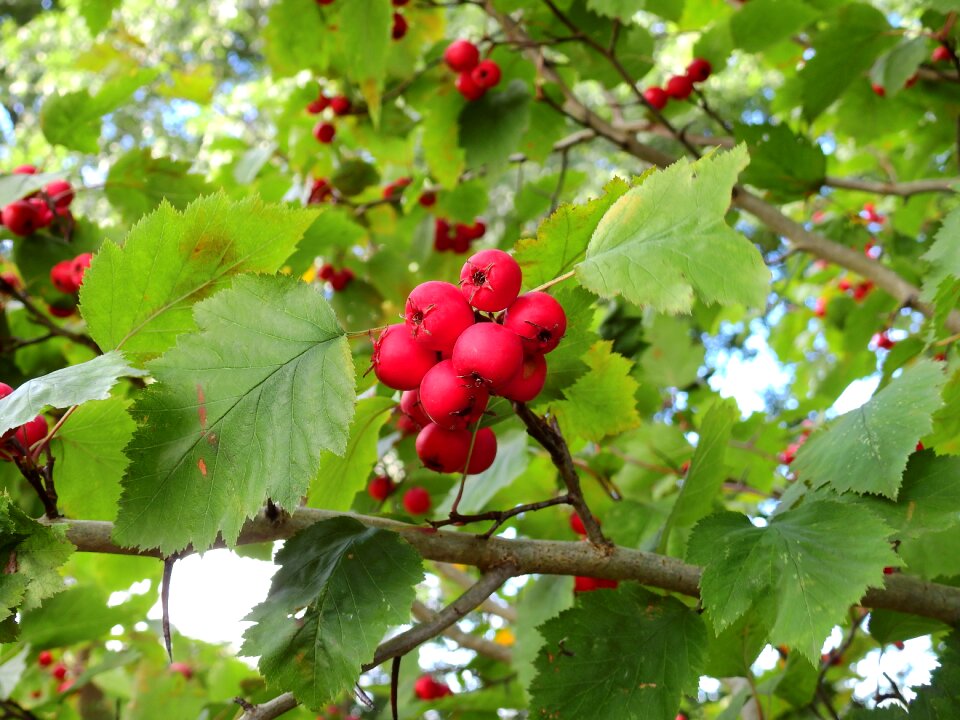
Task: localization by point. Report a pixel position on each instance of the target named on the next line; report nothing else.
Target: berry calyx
(324, 132)
(449, 400)
(436, 313)
(539, 320)
(488, 352)
(45, 658)
(443, 450)
(528, 382)
(380, 488)
(416, 501)
(699, 70)
(484, 451)
(340, 105)
(21, 218)
(486, 74)
(399, 361)
(679, 87)
(400, 26)
(468, 88)
(461, 56)
(490, 280)
(657, 97)
(411, 406)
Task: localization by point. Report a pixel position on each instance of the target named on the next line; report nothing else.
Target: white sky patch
(747, 378)
(855, 395)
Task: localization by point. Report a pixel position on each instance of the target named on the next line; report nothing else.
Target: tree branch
(902, 189)
(479, 645)
(271, 709)
(900, 592)
(464, 580)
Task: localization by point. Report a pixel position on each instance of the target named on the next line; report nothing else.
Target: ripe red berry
(489, 352)
(60, 193)
(399, 3)
(484, 451)
(919, 447)
(21, 217)
(427, 199)
(416, 501)
(399, 361)
(452, 401)
(442, 450)
(539, 320)
(878, 90)
(45, 658)
(25, 170)
(62, 277)
(528, 382)
(400, 26)
(12, 280)
(490, 280)
(468, 88)
(340, 279)
(407, 425)
(486, 75)
(699, 70)
(5, 390)
(820, 307)
(317, 106)
(324, 2)
(326, 271)
(679, 87)
(899, 645)
(59, 671)
(436, 314)
(461, 56)
(320, 190)
(426, 688)
(380, 488)
(324, 132)
(912, 80)
(181, 668)
(441, 235)
(79, 266)
(889, 570)
(340, 105)
(940, 54)
(26, 435)
(862, 290)
(576, 524)
(410, 405)
(657, 97)
(43, 212)
(883, 341)
(587, 584)
(61, 310)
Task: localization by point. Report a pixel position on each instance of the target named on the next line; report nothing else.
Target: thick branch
(900, 592)
(901, 189)
(479, 645)
(271, 709)
(464, 580)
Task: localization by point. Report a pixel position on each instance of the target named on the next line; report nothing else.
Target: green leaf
(797, 576)
(72, 385)
(619, 655)
(565, 364)
(240, 413)
(441, 138)
(943, 256)
(543, 597)
(79, 614)
(15, 187)
(672, 359)
(90, 460)
(333, 230)
(940, 700)
(601, 402)
(491, 127)
(97, 13)
(867, 449)
(179, 259)
(138, 182)
(761, 23)
(340, 478)
(892, 70)
(364, 34)
(562, 238)
(354, 583)
(787, 164)
(290, 38)
(845, 50)
(623, 10)
(654, 249)
(355, 176)
(464, 202)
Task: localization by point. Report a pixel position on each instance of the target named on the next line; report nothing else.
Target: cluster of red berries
(16, 443)
(416, 500)
(24, 217)
(459, 345)
(882, 341)
(426, 688)
(338, 279)
(679, 87)
(475, 76)
(338, 105)
(67, 275)
(870, 214)
(57, 672)
(457, 238)
(790, 454)
(858, 291)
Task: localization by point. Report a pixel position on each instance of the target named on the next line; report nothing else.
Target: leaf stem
(556, 280)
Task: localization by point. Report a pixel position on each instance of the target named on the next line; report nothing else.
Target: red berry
(21, 217)
(883, 341)
(468, 88)
(878, 90)
(416, 501)
(11, 279)
(452, 401)
(399, 361)
(25, 170)
(427, 199)
(60, 193)
(400, 26)
(490, 280)
(539, 320)
(5, 390)
(657, 97)
(426, 688)
(320, 191)
(44, 213)
(475, 231)
(411, 406)
(484, 451)
(844, 284)
(820, 307)
(486, 75)
(940, 54)
(442, 450)
(912, 80)
(64, 686)
(461, 243)
(63, 277)
(528, 382)
(461, 56)
(26, 435)
(699, 70)
(380, 488)
(326, 272)
(489, 352)
(889, 570)
(59, 671)
(79, 266)
(399, 3)
(679, 87)
(324, 132)
(587, 584)
(182, 668)
(441, 235)
(340, 105)
(862, 290)
(317, 106)
(324, 2)
(61, 310)
(576, 524)
(339, 280)
(407, 425)
(45, 658)
(919, 447)
(899, 645)
(436, 314)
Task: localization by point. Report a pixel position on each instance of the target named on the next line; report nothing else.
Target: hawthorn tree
(455, 291)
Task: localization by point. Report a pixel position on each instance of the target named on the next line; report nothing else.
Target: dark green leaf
(491, 127)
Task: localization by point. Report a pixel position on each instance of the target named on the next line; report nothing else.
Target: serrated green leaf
(623, 10)
(565, 364)
(544, 597)
(72, 385)
(15, 187)
(672, 359)
(943, 256)
(844, 51)
(340, 478)
(240, 413)
(787, 164)
(354, 583)
(138, 182)
(333, 231)
(654, 249)
(291, 38)
(79, 614)
(601, 402)
(562, 238)
(619, 655)
(761, 23)
(464, 202)
(798, 575)
(893, 69)
(179, 259)
(491, 127)
(441, 138)
(867, 449)
(90, 459)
